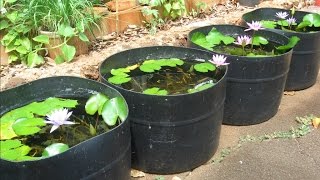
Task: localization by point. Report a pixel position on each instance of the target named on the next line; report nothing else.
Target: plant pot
(305, 61)
(55, 40)
(122, 5)
(132, 16)
(254, 84)
(250, 3)
(106, 156)
(3, 55)
(167, 129)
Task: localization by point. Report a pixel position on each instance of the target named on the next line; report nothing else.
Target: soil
(171, 34)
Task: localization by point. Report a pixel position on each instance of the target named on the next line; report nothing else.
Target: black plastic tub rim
(111, 131)
(242, 58)
(102, 75)
(279, 9)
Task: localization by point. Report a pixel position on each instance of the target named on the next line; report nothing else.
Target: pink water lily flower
(255, 25)
(282, 15)
(243, 40)
(291, 21)
(219, 60)
(58, 117)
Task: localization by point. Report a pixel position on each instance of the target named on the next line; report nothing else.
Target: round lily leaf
(27, 126)
(95, 103)
(204, 67)
(13, 150)
(113, 109)
(55, 149)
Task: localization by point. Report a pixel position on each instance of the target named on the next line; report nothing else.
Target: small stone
(176, 178)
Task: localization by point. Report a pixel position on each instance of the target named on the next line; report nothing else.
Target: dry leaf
(316, 122)
(137, 174)
(290, 93)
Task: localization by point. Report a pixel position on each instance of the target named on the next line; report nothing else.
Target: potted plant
(64, 128)
(175, 97)
(305, 62)
(51, 26)
(259, 62)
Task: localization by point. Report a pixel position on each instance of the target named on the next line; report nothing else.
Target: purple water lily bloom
(255, 25)
(243, 40)
(218, 60)
(291, 21)
(282, 15)
(58, 117)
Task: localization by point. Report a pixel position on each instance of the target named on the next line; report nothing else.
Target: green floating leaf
(258, 40)
(6, 130)
(120, 71)
(303, 24)
(291, 44)
(95, 103)
(13, 150)
(54, 149)
(172, 62)
(113, 109)
(313, 19)
(269, 24)
(150, 66)
(119, 79)
(27, 126)
(283, 23)
(201, 87)
(155, 91)
(42, 39)
(215, 37)
(200, 39)
(204, 67)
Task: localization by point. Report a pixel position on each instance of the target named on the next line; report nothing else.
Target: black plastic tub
(106, 156)
(254, 84)
(305, 61)
(172, 133)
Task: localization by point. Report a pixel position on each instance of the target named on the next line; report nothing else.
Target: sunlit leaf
(120, 71)
(54, 149)
(215, 37)
(34, 59)
(204, 67)
(269, 24)
(13, 150)
(68, 52)
(113, 109)
(313, 18)
(119, 79)
(27, 126)
(83, 37)
(293, 40)
(258, 40)
(155, 91)
(200, 39)
(4, 24)
(150, 66)
(66, 30)
(42, 39)
(95, 103)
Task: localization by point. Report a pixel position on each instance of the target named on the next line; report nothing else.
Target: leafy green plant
(172, 9)
(217, 41)
(311, 20)
(24, 20)
(20, 128)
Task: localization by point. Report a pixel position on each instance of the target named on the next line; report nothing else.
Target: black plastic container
(106, 156)
(172, 133)
(254, 84)
(305, 61)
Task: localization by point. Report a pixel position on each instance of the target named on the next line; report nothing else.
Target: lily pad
(258, 40)
(54, 149)
(155, 91)
(204, 67)
(14, 150)
(215, 37)
(113, 109)
(27, 126)
(150, 66)
(119, 79)
(200, 39)
(95, 103)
